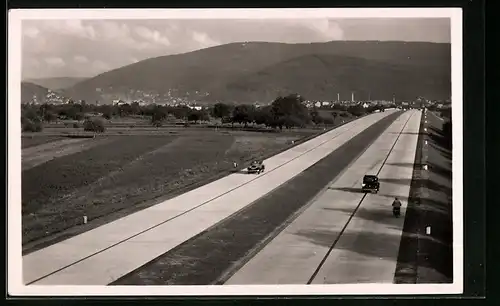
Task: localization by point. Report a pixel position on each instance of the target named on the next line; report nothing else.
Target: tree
(289, 111)
(335, 116)
(135, 108)
(107, 114)
(95, 125)
(328, 121)
(243, 114)
(181, 112)
(314, 114)
(30, 114)
(50, 116)
(263, 116)
(194, 115)
(356, 110)
(31, 125)
(204, 116)
(158, 115)
(221, 110)
(78, 116)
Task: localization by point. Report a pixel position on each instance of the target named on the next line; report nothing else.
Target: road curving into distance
(104, 254)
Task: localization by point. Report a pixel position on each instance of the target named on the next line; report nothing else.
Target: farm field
(35, 140)
(107, 177)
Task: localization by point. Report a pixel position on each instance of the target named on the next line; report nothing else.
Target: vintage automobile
(257, 166)
(370, 184)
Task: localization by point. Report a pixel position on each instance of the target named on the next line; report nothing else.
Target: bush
(357, 110)
(76, 125)
(94, 125)
(29, 125)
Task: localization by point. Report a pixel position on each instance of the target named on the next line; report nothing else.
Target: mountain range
(260, 71)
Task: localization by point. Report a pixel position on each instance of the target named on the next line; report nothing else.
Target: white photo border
(15, 284)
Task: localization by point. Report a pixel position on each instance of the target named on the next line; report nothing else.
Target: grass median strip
(428, 258)
(204, 258)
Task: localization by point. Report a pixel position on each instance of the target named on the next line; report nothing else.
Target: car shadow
(388, 246)
(409, 165)
(427, 183)
(376, 245)
(348, 189)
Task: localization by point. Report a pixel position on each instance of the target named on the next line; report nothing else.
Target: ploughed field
(64, 179)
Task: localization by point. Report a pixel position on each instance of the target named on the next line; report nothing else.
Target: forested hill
(259, 71)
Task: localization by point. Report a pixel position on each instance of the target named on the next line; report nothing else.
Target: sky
(85, 48)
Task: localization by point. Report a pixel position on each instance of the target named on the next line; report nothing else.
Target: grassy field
(100, 176)
(35, 140)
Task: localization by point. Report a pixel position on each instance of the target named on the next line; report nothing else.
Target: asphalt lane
(206, 258)
(367, 250)
(295, 254)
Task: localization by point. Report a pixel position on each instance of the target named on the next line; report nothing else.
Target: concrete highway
(104, 254)
(345, 236)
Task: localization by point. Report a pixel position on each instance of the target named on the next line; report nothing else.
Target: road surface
(345, 236)
(102, 255)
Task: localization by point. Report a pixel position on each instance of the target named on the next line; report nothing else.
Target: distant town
(150, 98)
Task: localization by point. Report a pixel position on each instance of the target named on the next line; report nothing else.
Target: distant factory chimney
(338, 97)
(352, 96)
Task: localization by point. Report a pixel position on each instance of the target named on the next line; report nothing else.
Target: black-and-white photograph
(209, 148)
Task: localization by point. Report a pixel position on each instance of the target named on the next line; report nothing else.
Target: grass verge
(428, 258)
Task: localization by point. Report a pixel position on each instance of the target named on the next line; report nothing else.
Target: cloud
(80, 59)
(152, 36)
(73, 27)
(55, 61)
(112, 30)
(203, 40)
(31, 32)
(100, 66)
(33, 62)
(324, 29)
(89, 47)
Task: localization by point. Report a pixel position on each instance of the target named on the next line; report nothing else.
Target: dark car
(256, 166)
(370, 184)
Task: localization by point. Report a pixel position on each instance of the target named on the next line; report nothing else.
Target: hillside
(29, 90)
(56, 83)
(241, 71)
(321, 77)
